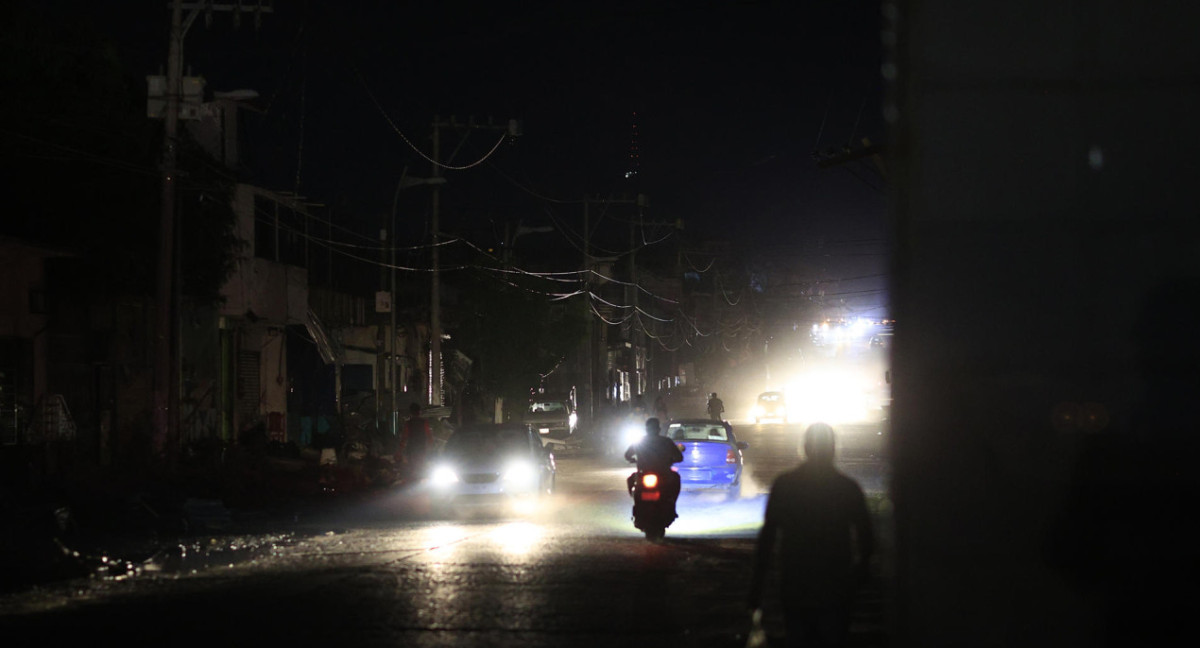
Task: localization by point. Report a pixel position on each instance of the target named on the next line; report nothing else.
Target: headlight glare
(519, 471)
(443, 476)
(632, 433)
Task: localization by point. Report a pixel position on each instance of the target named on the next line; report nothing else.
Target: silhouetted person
(820, 516)
(716, 407)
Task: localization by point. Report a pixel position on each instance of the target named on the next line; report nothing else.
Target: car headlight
(519, 471)
(443, 476)
(757, 410)
(631, 434)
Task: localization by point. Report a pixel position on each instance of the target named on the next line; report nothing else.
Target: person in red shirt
(416, 441)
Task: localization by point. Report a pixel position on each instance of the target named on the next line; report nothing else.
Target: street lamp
(405, 182)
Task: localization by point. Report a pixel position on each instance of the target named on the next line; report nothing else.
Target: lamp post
(405, 182)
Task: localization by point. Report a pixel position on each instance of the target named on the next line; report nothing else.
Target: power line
(414, 147)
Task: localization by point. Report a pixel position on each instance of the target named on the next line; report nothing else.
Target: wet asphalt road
(573, 572)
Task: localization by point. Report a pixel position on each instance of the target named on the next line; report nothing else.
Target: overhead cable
(414, 147)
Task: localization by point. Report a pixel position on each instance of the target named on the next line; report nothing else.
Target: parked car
(712, 456)
(491, 464)
(770, 406)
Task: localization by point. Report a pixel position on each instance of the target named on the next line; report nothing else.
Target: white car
(491, 464)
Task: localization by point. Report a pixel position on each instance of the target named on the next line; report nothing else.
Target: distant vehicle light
(632, 433)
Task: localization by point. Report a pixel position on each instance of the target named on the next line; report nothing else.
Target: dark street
(406, 323)
(568, 571)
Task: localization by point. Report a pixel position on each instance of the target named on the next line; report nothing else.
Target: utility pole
(386, 292)
(636, 339)
(435, 297)
(164, 432)
(589, 387)
(166, 239)
(435, 289)
(405, 182)
(630, 291)
(393, 422)
(632, 300)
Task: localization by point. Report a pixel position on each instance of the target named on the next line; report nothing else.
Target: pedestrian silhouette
(819, 518)
(716, 407)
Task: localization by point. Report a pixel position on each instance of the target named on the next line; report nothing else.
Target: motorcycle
(653, 503)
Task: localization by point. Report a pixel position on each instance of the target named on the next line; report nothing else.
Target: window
(713, 432)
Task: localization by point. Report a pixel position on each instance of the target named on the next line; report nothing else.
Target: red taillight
(650, 480)
(731, 456)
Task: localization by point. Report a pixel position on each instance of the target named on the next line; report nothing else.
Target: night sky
(730, 100)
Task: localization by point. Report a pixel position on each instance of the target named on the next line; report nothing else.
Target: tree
(515, 333)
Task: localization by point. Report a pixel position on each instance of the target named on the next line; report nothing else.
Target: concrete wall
(274, 292)
(1042, 164)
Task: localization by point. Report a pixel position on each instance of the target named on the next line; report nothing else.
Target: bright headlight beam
(519, 471)
(632, 434)
(443, 476)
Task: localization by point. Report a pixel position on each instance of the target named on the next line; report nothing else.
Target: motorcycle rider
(656, 453)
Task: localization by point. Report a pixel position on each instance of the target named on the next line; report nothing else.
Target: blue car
(712, 456)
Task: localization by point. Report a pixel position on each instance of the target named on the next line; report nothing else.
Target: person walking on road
(715, 407)
(819, 517)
